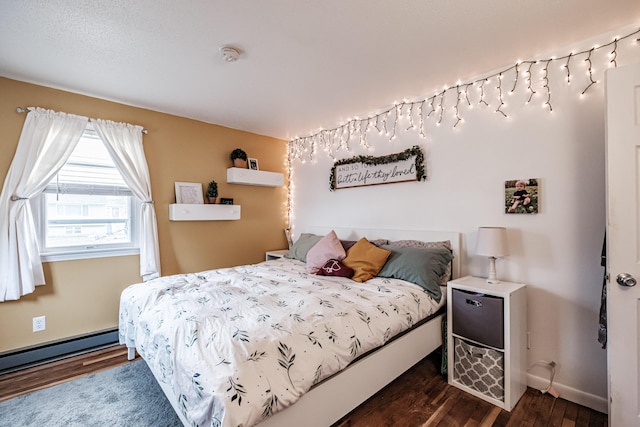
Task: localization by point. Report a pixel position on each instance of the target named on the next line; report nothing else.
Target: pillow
(446, 276)
(300, 248)
(327, 248)
(347, 244)
(366, 259)
(422, 266)
(420, 244)
(334, 267)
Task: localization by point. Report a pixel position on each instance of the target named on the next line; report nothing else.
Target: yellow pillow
(366, 260)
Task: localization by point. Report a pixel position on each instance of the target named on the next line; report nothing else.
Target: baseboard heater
(31, 356)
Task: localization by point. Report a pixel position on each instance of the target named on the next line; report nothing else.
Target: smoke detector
(229, 54)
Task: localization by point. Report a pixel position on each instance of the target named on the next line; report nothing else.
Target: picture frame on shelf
(253, 164)
(189, 193)
(226, 201)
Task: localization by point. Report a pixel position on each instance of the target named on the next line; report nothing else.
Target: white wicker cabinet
(486, 339)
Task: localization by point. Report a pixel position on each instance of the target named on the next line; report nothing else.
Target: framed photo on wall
(521, 196)
(189, 193)
(253, 164)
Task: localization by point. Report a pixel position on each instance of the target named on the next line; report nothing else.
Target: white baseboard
(571, 394)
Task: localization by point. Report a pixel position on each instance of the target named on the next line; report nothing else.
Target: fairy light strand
(441, 106)
(515, 80)
(433, 108)
(566, 67)
(614, 53)
(545, 79)
(421, 112)
(340, 136)
(466, 93)
(529, 83)
(457, 106)
(592, 82)
(411, 123)
(482, 101)
(499, 87)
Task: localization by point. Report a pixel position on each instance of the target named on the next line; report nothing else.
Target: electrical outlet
(39, 323)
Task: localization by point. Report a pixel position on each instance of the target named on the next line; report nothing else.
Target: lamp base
(492, 271)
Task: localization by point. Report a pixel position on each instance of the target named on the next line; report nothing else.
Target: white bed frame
(343, 392)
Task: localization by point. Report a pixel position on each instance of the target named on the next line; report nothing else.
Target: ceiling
(304, 64)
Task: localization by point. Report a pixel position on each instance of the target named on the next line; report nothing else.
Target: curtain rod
(24, 110)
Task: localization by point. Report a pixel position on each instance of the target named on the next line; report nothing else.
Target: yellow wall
(82, 296)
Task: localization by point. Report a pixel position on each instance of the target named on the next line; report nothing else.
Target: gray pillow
(301, 246)
(422, 266)
(446, 276)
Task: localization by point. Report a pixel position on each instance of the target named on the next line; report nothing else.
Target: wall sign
(368, 170)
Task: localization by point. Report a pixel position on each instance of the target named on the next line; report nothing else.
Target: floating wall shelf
(200, 212)
(253, 177)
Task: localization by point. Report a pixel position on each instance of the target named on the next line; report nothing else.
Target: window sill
(70, 256)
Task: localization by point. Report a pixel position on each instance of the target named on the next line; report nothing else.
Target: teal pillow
(300, 248)
(422, 266)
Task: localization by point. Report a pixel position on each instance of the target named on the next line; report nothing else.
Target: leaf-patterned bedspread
(239, 344)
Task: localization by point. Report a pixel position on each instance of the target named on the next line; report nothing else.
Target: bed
(289, 366)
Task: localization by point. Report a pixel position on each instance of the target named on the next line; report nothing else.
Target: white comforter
(239, 344)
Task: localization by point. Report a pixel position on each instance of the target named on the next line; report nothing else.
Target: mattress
(236, 345)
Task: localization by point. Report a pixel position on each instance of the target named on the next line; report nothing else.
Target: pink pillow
(329, 247)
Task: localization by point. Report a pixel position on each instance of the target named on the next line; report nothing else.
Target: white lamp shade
(492, 242)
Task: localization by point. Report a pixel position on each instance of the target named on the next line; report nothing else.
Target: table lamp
(492, 242)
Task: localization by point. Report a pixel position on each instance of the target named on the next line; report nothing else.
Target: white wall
(556, 252)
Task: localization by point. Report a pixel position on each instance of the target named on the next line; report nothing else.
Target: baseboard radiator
(31, 356)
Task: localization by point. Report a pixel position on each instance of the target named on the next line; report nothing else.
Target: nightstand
(279, 253)
(486, 339)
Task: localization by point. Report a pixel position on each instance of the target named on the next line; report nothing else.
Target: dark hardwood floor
(420, 397)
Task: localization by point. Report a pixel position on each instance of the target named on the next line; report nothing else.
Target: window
(87, 211)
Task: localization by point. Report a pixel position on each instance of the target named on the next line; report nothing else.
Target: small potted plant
(239, 158)
(212, 192)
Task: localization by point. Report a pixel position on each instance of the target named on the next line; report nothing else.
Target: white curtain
(46, 142)
(124, 143)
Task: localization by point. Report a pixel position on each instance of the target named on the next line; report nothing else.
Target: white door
(623, 243)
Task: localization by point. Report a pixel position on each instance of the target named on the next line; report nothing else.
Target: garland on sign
(433, 107)
(383, 160)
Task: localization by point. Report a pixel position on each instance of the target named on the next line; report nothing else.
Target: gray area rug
(124, 396)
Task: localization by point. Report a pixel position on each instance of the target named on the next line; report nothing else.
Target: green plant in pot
(239, 158)
(212, 192)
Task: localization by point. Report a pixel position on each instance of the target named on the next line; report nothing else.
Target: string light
(515, 81)
(614, 53)
(457, 107)
(482, 101)
(386, 117)
(395, 123)
(411, 124)
(433, 108)
(378, 125)
(590, 72)
(340, 136)
(529, 85)
(499, 87)
(545, 78)
(421, 110)
(289, 208)
(441, 106)
(566, 66)
(466, 94)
